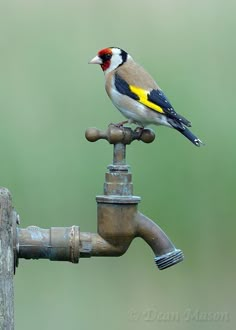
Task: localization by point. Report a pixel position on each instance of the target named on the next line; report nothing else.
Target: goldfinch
(136, 95)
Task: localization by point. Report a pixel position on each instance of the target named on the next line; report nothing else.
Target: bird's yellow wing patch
(143, 98)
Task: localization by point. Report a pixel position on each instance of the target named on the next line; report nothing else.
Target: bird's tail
(186, 132)
(189, 135)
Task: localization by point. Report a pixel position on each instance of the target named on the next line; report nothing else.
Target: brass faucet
(118, 218)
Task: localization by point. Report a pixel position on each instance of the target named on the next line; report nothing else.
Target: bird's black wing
(154, 99)
(158, 97)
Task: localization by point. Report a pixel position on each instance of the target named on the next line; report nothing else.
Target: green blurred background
(49, 96)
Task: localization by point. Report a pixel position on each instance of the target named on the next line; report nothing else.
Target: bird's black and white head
(110, 58)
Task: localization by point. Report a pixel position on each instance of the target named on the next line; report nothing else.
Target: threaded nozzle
(169, 259)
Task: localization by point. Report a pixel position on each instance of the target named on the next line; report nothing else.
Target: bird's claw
(139, 131)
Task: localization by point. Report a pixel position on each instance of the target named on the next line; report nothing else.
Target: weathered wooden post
(7, 216)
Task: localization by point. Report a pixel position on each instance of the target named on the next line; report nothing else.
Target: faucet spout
(166, 254)
(118, 226)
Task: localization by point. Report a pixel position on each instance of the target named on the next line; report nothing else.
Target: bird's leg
(121, 124)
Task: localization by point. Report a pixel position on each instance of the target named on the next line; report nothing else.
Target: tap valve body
(118, 218)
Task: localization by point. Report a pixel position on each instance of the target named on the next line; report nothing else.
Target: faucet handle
(115, 134)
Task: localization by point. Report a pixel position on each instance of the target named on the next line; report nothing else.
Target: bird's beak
(96, 60)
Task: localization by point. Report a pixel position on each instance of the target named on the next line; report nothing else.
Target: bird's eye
(106, 57)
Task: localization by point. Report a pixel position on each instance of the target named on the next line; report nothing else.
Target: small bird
(136, 95)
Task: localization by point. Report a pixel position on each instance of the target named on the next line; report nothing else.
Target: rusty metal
(55, 243)
(119, 221)
(124, 135)
(118, 218)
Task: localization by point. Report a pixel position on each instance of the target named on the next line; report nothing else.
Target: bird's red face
(110, 58)
(103, 58)
(106, 55)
